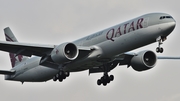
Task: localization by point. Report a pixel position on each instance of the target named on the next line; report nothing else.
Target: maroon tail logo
(13, 57)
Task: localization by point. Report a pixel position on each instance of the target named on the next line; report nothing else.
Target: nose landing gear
(159, 50)
(160, 41)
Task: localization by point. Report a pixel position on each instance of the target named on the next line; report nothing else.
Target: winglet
(9, 35)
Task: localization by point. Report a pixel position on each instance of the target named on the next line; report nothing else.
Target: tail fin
(15, 59)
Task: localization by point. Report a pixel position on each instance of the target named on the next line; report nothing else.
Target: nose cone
(172, 25)
(167, 28)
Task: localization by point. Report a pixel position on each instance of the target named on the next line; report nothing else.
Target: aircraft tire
(54, 78)
(161, 50)
(108, 80)
(64, 76)
(157, 49)
(104, 83)
(99, 82)
(67, 74)
(111, 77)
(60, 79)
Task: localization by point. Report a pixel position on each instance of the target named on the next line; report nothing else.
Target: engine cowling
(145, 60)
(64, 53)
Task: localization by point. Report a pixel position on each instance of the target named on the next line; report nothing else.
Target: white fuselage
(107, 44)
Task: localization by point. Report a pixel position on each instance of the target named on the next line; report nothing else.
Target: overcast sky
(58, 21)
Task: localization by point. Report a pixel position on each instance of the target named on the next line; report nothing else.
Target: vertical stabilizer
(15, 59)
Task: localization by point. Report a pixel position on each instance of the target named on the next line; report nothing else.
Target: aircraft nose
(167, 28)
(172, 25)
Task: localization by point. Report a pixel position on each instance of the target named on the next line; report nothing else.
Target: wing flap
(125, 59)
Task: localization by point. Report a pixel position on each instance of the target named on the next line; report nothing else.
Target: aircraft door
(146, 22)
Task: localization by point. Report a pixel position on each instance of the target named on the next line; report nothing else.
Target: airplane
(99, 52)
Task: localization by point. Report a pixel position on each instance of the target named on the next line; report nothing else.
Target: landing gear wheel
(108, 80)
(111, 77)
(104, 83)
(61, 76)
(54, 78)
(105, 80)
(159, 50)
(99, 82)
(60, 79)
(64, 76)
(67, 74)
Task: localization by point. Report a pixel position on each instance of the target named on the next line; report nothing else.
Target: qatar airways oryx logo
(15, 59)
(125, 28)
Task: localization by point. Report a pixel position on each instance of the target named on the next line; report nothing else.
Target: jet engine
(144, 60)
(64, 53)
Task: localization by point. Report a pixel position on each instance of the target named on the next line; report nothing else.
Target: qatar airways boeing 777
(99, 52)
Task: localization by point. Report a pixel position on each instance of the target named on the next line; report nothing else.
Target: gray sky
(58, 21)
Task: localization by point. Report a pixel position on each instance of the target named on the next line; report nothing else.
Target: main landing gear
(105, 79)
(160, 40)
(61, 76)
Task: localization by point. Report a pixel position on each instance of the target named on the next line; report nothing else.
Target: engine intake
(143, 61)
(64, 53)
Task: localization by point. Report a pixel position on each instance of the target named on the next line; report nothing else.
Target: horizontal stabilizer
(6, 72)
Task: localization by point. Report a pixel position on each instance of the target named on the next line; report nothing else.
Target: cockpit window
(163, 17)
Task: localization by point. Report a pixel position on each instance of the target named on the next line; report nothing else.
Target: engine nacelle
(64, 53)
(143, 61)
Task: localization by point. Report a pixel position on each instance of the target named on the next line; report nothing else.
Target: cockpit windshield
(166, 17)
